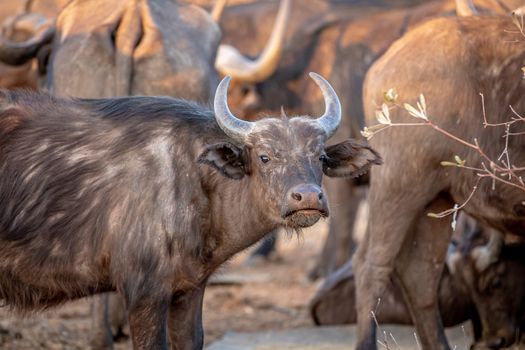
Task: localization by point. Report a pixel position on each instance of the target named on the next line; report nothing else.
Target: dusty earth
(267, 296)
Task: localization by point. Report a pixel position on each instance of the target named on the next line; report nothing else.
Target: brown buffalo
(450, 61)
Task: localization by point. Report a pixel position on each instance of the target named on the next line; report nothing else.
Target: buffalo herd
(155, 139)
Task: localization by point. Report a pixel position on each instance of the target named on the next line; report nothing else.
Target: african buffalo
(341, 39)
(154, 47)
(149, 195)
(471, 287)
(450, 61)
(493, 275)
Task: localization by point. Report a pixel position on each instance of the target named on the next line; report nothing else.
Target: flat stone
(332, 338)
(231, 278)
(325, 338)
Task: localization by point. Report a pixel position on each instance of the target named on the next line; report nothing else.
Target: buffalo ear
(228, 159)
(350, 158)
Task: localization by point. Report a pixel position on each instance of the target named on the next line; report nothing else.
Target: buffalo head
(493, 273)
(285, 157)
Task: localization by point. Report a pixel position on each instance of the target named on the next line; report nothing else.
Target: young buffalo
(149, 195)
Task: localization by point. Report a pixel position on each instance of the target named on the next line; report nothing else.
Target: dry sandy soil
(272, 296)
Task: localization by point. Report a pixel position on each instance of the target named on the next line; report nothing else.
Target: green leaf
(459, 160)
(423, 103)
(366, 132)
(390, 95)
(446, 163)
(383, 115)
(411, 110)
(414, 112)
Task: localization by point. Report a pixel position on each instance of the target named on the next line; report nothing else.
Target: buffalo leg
(101, 337)
(420, 280)
(117, 316)
(344, 198)
(185, 320)
(147, 322)
(389, 225)
(267, 246)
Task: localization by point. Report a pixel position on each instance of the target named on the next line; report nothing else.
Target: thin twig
(457, 207)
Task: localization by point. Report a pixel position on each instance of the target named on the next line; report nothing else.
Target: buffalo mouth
(304, 217)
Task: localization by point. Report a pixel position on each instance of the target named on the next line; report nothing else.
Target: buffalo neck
(236, 218)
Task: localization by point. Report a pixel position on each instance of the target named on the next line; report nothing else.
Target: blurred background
(104, 48)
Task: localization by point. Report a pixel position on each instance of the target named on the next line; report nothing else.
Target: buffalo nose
(309, 195)
(305, 205)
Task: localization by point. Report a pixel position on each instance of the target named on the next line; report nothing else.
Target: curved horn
(235, 128)
(218, 8)
(486, 255)
(14, 53)
(465, 8)
(230, 61)
(331, 118)
(28, 22)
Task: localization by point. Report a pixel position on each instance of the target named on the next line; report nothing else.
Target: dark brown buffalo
(498, 289)
(148, 196)
(129, 47)
(481, 279)
(341, 39)
(450, 61)
(92, 56)
(493, 275)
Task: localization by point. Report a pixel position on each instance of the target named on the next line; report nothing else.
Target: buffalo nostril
(297, 196)
(320, 195)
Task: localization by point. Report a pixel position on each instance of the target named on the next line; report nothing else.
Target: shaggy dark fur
(146, 196)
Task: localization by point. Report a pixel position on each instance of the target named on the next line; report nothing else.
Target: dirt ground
(267, 296)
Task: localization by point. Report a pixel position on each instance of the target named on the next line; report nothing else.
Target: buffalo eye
(323, 158)
(496, 284)
(264, 158)
(245, 90)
